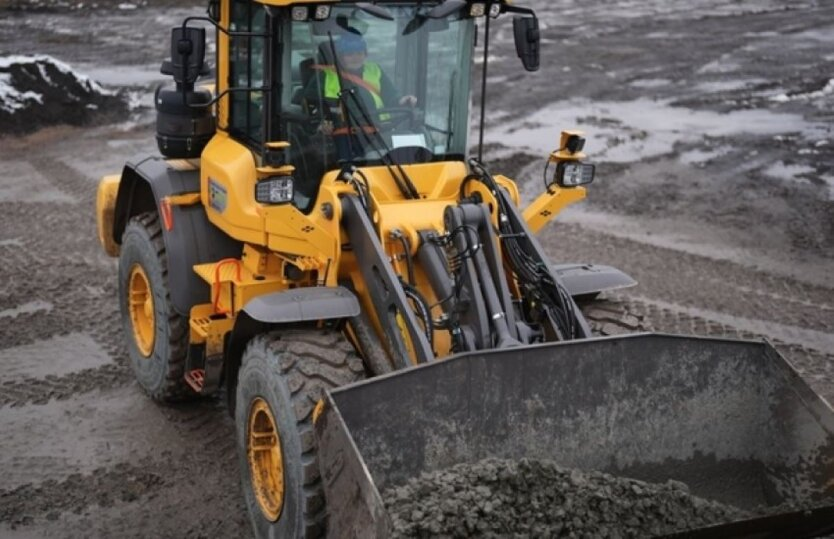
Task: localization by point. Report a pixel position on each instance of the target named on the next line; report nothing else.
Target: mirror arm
(222, 94)
(217, 26)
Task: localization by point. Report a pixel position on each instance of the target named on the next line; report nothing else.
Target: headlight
(573, 173)
(274, 190)
(494, 10)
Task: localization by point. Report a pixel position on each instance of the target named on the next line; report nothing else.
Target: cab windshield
(370, 91)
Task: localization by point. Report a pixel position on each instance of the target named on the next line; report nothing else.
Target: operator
(366, 78)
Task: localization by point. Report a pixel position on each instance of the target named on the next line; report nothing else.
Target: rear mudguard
(588, 280)
(731, 419)
(191, 240)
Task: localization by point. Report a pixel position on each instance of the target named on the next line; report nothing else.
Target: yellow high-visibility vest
(371, 75)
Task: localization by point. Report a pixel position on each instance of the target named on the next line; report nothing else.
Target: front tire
(156, 335)
(282, 377)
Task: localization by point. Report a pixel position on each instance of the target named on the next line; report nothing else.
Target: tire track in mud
(68, 180)
(186, 461)
(104, 487)
(56, 262)
(618, 314)
(197, 469)
(30, 390)
(698, 281)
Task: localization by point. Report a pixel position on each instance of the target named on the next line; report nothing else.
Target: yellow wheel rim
(140, 305)
(266, 462)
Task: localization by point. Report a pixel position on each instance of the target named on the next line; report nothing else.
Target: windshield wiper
(404, 183)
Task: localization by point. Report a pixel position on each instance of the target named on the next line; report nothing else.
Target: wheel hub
(266, 461)
(140, 307)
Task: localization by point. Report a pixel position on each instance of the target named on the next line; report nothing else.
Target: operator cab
(372, 89)
(350, 83)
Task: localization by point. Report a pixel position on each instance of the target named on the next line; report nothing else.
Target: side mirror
(526, 32)
(188, 51)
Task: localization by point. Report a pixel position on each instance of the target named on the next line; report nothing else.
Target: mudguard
(591, 279)
(287, 307)
(303, 305)
(192, 239)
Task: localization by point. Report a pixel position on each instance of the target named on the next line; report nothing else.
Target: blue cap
(350, 43)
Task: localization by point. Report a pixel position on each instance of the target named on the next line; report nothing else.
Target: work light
(573, 173)
(300, 13)
(274, 190)
(322, 12)
(477, 9)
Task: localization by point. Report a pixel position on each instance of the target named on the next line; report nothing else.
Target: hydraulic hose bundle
(533, 275)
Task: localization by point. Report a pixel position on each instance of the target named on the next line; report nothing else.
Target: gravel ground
(529, 498)
(710, 125)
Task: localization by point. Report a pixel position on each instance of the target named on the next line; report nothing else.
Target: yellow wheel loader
(315, 220)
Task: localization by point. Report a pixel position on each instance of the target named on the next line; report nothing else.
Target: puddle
(630, 131)
(650, 83)
(27, 308)
(39, 360)
(783, 171)
(725, 85)
(697, 157)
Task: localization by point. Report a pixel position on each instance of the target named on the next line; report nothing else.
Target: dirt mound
(530, 498)
(37, 91)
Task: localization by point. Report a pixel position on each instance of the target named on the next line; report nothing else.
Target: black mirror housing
(188, 52)
(527, 41)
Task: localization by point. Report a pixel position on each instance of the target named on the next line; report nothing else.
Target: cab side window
(246, 70)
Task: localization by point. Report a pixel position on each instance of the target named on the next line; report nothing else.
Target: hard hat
(351, 43)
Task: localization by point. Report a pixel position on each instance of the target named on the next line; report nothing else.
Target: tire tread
(311, 362)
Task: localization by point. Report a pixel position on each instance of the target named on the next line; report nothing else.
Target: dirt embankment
(40, 91)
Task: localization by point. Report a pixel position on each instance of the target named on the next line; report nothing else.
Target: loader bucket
(731, 419)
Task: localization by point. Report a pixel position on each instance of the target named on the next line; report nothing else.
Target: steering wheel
(396, 117)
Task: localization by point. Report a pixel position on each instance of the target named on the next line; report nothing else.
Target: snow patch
(40, 59)
(828, 89)
(36, 90)
(630, 131)
(12, 99)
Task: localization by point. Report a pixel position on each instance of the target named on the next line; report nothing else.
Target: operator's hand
(408, 101)
(326, 127)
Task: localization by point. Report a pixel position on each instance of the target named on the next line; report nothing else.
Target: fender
(284, 308)
(588, 280)
(191, 240)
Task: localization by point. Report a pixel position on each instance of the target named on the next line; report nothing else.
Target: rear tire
(156, 335)
(282, 377)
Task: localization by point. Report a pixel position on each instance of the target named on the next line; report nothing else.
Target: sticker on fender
(217, 195)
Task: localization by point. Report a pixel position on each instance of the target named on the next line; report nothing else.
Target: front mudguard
(588, 280)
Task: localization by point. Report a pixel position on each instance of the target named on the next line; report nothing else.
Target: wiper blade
(404, 183)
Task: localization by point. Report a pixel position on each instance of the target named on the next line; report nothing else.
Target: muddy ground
(710, 124)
